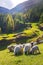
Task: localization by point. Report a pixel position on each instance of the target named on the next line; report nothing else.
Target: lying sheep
(18, 50)
(11, 48)
(34, 49)
(27, 48)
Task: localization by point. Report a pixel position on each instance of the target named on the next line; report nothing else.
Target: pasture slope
(7, 58)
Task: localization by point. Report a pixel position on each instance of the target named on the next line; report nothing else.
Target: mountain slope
(23, 7)
(4, 10)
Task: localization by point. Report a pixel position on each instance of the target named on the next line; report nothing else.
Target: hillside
(22, 7)
(33, 14)
(4, 10)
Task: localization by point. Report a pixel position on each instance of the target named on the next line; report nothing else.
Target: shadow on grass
(32, 54)
(18, 27)
(26, 54)
(4, 43)
(21, 39)
(16, 55)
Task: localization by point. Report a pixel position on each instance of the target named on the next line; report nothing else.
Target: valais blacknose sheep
(11, 48)
(27, 48)
(35, 50)
(18, 50)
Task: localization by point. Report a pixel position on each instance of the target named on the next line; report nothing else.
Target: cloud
(15, 2)
(10, 3)
(6, 3)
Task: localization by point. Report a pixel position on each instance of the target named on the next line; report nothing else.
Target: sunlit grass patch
(34, 29)
(10, 38)
(7, 36)
(1, 38)
(30, 32)
(3, 35)
(11, 35)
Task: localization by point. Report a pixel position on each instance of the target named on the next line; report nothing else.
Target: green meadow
(8, 58)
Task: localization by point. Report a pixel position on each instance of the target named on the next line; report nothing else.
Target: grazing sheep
(34, 49)
(18, 50)
(11, 48)
(27, 48)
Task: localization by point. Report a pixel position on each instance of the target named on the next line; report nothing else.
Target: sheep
(11, 48)
(21, 48)
(27, 48)
(18, 50)
(34, 49)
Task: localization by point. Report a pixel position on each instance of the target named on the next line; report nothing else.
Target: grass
(7, 58)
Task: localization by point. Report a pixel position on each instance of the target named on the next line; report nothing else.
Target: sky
(10, 3)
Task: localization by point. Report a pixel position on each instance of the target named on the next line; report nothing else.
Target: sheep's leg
(29, 51)
(15, 53)
(32, 52)
(18, 53)
(38, 51)
(25, 52)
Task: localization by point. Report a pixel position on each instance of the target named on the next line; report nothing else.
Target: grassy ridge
(29, 31)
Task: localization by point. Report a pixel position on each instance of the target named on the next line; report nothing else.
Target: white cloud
(15, 2)
(10, 3)
(6, 3)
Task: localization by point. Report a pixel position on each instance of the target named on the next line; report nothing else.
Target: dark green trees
(6, 23)
(41, 18)
(9, 23)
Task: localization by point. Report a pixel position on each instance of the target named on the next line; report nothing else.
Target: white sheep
(11, 48)
(27, 48)
(35, 49)
(18, 49)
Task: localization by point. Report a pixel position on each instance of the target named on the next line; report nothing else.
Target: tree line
(9, 23)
